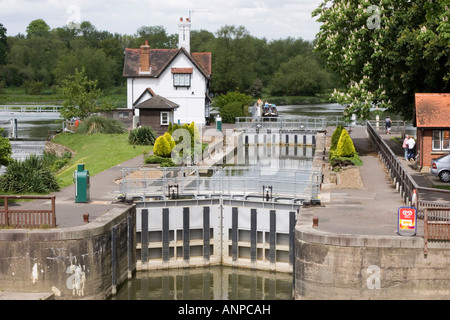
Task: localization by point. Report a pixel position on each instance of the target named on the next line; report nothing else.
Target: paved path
(369, 210)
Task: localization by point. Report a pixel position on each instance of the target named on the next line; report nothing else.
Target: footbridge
(29, 112)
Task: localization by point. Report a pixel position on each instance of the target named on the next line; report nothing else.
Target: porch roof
(157, 102)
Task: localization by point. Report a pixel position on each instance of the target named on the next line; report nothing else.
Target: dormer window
(181, 80)
(182, 77)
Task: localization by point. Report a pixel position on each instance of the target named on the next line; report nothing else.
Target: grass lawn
(97, 152)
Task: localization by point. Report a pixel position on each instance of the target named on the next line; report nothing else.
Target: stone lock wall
(85, 262)
(333, 266)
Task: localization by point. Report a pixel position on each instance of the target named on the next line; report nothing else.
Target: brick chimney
(145, 59)
(184, 34)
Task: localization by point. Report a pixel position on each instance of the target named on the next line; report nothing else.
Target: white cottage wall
(191, 100)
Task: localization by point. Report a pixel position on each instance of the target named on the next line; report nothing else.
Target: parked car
(440, 167)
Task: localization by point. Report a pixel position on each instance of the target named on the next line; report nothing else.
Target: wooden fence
(436, 225)
(27, 218)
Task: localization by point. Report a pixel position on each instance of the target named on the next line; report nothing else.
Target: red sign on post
(407, 221)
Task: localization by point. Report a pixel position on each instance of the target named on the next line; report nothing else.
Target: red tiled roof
(432, 110)
(160, 60)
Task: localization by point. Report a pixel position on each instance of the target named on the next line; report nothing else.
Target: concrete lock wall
(86, 262)
(332, 266)
(189, 233)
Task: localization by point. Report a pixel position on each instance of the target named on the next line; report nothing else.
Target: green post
(81, 178)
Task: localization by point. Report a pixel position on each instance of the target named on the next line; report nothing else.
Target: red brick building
(432, 120)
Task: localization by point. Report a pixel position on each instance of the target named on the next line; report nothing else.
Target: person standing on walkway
(405, 146)
(388, 125)
(411, 148)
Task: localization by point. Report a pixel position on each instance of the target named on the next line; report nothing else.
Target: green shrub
(163, 162)
(100, 124)
(169, 138)
(345, 146)
(143, 136)
(162, 147)
(232, 105)
(55, 163)
(28, 176)
(335, 137)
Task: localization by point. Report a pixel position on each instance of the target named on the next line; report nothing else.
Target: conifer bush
(343, 153)
(345, 146)
(162, 147)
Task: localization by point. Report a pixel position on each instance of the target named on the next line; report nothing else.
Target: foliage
(342, 150)
(3, 45)
(163, 161)
(385, 51)
(28, 176)
(142, 136)
(37, 28)
(55, 163)
(162, 147)
(5, 150)
(301, 75)
(100, 124)
(335, 137)
(345, 146)
(80, 96)
(232, 105)
(112, 149)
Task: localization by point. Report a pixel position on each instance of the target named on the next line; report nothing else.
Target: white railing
(263, 182)
(20, 111)
(282, 123)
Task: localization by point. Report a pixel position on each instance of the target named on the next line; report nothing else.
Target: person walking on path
(411, 148)
(405, 146)
(388, 125)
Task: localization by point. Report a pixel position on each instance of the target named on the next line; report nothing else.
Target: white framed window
(165, 118)
(441, 140)
(182, 80)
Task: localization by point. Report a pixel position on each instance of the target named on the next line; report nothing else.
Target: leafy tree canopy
(80, 96)
(385, 51)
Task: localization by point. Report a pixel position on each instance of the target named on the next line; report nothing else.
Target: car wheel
(444, 176)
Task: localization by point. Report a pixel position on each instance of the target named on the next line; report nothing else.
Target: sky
(270, 19)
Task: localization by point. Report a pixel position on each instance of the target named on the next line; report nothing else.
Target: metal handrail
(295, 184)
(401, 177)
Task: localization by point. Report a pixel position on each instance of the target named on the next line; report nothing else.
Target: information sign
(407, 221)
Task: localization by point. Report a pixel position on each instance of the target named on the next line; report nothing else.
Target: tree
(301, 75)
(232, 105)
(157, 37)
(80, 96)
(5, 150)
(234, 60)
(97, 65)
(38, 28)
(385, 51)
(3, 45)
